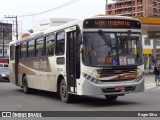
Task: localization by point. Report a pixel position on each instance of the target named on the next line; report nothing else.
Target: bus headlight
(92, 79)
(138, 78)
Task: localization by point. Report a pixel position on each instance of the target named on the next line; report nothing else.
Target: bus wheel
(111, 98)
(65, 97)
(25, 85)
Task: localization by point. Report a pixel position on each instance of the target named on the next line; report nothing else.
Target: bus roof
(72, 23)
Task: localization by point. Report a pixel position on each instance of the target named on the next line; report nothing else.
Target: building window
(158, 42)
(147, 41)
(1, 51)
(5, 51)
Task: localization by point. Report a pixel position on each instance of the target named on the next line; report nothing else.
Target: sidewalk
(149, 75)
(149, 78)
(148, 71)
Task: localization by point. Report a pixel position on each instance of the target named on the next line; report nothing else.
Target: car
(4, 72)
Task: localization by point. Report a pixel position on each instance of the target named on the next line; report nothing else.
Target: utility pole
(3, 40)
(15, 17)
(146, 8)
(2, 34)
(131, 7)
(2, 30)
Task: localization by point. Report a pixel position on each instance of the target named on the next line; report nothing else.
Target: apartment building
(5, 38)
(138, 8)
(143, 8)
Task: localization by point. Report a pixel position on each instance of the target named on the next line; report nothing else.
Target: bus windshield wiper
(98, 46)
(106, 39)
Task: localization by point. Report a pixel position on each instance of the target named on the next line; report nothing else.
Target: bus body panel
(86, 87)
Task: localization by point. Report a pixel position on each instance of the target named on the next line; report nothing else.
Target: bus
(100, 55)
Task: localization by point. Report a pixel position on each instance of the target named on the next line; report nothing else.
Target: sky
(78, 10)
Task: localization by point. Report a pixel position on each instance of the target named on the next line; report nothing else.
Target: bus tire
(26, 90)
(111, 98)
(65, 97)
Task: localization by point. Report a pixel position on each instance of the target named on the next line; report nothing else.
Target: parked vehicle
(4, 70)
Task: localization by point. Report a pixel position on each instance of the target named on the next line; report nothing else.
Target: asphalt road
(12, 98)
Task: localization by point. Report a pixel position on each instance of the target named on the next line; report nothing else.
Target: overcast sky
(78, 10)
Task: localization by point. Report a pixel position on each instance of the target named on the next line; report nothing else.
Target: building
(6, 50)
(5, 38)
(143, 8)
(139, 8)
(46, 23)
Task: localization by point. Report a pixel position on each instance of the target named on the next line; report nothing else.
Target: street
(12, 98)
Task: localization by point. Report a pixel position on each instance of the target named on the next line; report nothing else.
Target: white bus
(94, 56)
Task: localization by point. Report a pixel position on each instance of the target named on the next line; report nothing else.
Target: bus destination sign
(111, 23)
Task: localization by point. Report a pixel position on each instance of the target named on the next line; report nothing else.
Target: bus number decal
(40, 64)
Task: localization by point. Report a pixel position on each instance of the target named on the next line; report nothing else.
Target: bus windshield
(111, 49)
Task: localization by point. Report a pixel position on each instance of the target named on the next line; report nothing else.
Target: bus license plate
(120, 88)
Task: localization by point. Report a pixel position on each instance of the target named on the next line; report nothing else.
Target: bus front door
(16, 64)
(72, 60)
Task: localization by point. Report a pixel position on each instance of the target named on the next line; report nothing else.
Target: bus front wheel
(111, 98)
(65, 97)
(25, 85)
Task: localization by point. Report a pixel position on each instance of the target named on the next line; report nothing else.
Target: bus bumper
(112, 88)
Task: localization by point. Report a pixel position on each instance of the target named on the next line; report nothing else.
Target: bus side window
(60, 44)
(31, 48)
(50, 44)
(23, 53)
(40, 46)
(12, 52)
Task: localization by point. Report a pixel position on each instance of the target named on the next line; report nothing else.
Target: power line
(58, 7)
